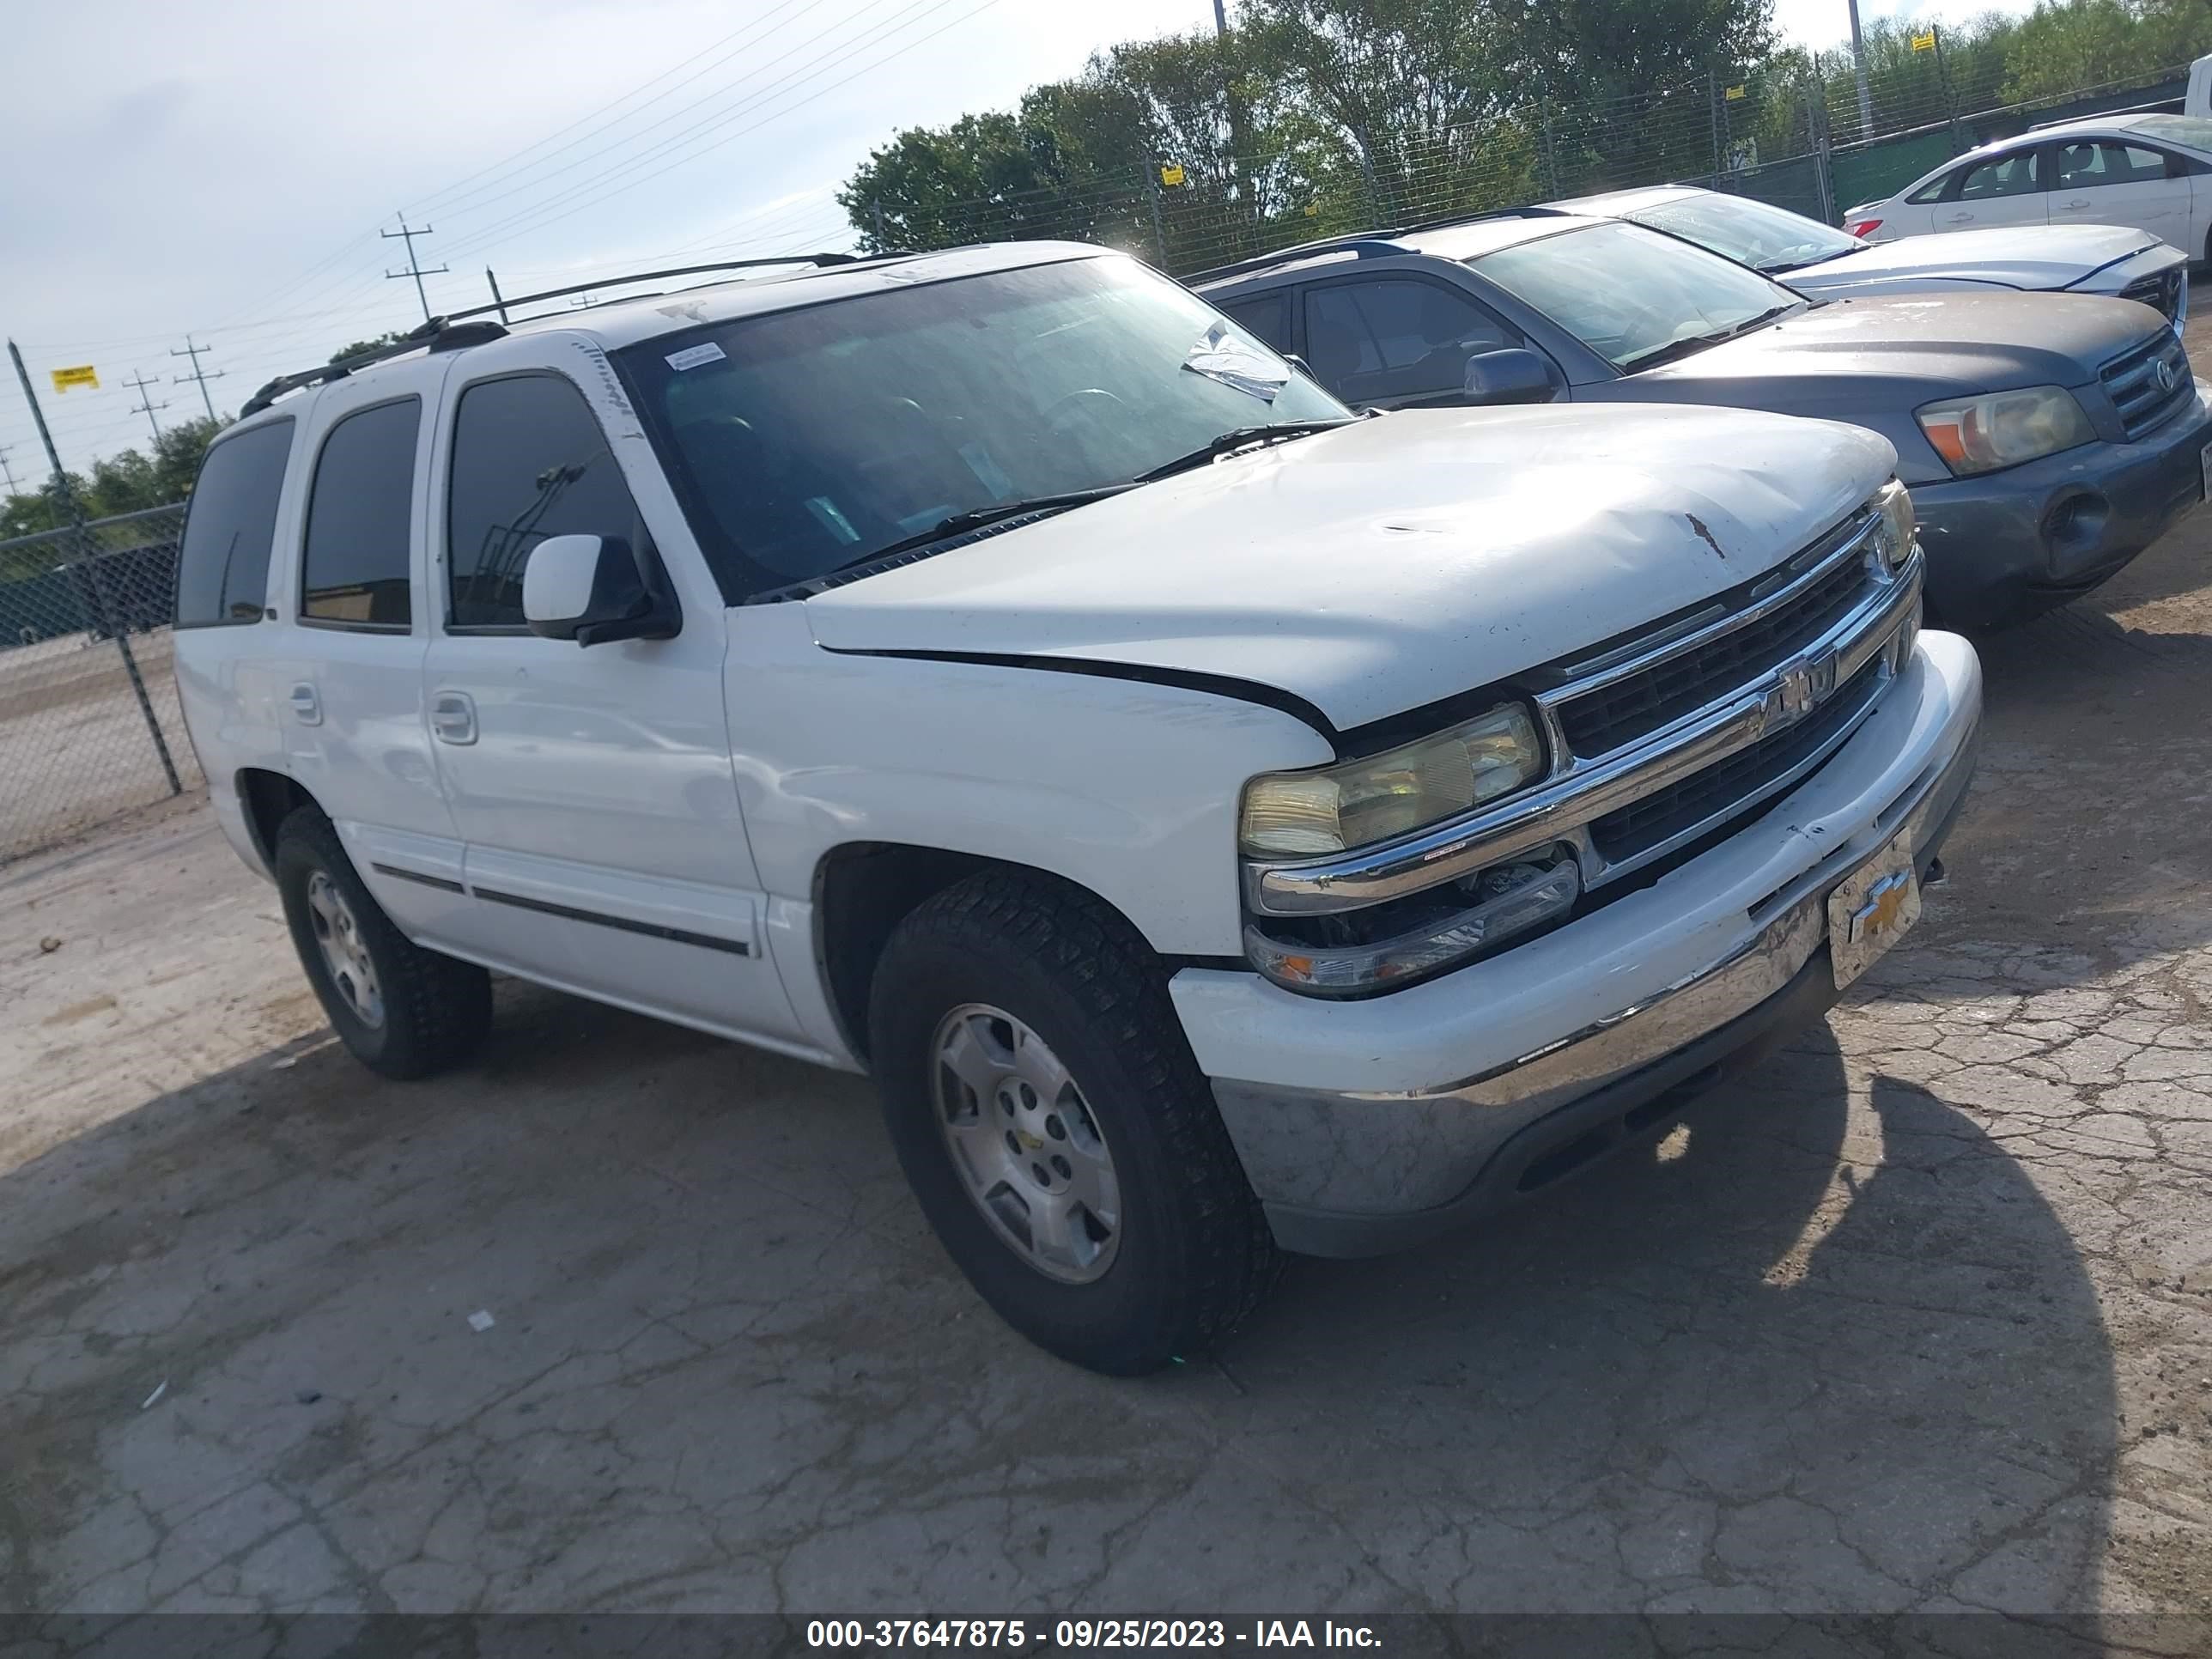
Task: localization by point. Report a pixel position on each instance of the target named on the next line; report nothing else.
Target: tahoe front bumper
(2005, 546)
(1367, 1125)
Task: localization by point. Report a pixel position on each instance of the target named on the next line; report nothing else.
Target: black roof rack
(439, 334)
(502, 306)
(453, 332)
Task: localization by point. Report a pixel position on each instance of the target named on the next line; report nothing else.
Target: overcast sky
(226, 169)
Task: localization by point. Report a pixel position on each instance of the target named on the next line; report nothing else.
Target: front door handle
(454, 717)
(2077, 204)
(307, 705)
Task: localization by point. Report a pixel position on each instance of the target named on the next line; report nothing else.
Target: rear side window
(222, 573)
(529, 462)
(358, 556)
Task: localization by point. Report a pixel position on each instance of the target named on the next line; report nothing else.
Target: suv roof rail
(439, 334)
(502, 306)
(454, 331)
(1367, 244)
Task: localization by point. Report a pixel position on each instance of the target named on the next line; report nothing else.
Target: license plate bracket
(1871, 909)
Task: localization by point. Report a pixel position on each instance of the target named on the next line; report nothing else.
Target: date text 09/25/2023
(1087, 1633)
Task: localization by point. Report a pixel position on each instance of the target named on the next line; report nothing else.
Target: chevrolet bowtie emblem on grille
(1800, 688)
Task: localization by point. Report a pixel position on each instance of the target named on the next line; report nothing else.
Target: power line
(146, 404)
(198, 374)
(407, 234)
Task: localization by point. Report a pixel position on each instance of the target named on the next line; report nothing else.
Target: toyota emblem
(2166, 375)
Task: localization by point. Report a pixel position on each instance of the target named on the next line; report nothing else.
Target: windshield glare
(1627, 292)
(1752, 233)
(806, 441)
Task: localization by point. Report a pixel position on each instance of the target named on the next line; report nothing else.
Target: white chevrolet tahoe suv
(1221, 825)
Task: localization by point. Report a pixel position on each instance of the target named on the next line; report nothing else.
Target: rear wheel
(1055, 1129)
(400, 1010)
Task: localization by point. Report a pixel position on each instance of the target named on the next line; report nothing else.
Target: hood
(1379, 567)
(1874, 361)
(2040, 258)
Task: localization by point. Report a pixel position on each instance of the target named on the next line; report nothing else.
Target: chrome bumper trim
(1588, 790)
(1392, 1155)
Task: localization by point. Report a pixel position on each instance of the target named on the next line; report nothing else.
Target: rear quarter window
(223, 569)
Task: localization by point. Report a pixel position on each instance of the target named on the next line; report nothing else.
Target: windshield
(805, 440)
(1628, 293)
(1754, 233)
(2194, 130)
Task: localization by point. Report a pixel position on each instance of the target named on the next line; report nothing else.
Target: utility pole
(116, 630)
(146, 404)
(497, 298)
(1236, 104)
(1858, 67)
(407, 234)
(198, 374)
(6, 471)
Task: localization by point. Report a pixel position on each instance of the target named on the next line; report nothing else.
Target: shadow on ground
(728, 1368)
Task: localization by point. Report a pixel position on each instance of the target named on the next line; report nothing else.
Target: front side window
(2017, 174)
(806, 441)
(530, 461)
(1750, 232)
(1395, 337)
(2087, 165)
(222, 570)
(359, 553)
(1632, 296)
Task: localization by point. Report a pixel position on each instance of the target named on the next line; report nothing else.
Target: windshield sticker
(692, 356)
(1220, 355)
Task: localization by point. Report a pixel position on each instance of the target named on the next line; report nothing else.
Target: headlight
(2003, 428)
(1892, 536)
(1310, 814)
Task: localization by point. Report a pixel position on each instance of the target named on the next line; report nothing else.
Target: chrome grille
(2150, 383)
(1742, 782)
(2161, 293)
(1625, 710)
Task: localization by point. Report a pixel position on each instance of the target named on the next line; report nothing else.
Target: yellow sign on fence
(1924, 42)
(83, 374)
(1735, 95)
(1171, 173)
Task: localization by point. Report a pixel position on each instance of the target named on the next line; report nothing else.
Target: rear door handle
(307, 705)
(1959, 219)
(454, 717)
(2077, 204)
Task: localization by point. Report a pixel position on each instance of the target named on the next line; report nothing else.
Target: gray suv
(2047, 438)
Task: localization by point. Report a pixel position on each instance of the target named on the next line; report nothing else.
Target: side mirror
(594, 590)
(1512, 375)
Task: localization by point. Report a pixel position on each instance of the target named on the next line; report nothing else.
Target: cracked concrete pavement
(1920, 1317)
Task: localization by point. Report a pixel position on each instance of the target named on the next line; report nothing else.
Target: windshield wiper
(978, 518)
(1240, 438)
(1697, 342)
(1817, 259)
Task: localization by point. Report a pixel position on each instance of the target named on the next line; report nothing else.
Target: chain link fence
(1799, 140)
(89, 722)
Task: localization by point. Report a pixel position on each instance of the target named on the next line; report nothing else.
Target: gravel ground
(1919, 1318)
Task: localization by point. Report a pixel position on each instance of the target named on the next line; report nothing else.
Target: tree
(360, 347)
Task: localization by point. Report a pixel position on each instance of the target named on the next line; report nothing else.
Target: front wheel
(400, 1010)
(1055, 1129)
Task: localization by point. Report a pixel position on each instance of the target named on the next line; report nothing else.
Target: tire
(429, 1011)
(1189, 1253)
